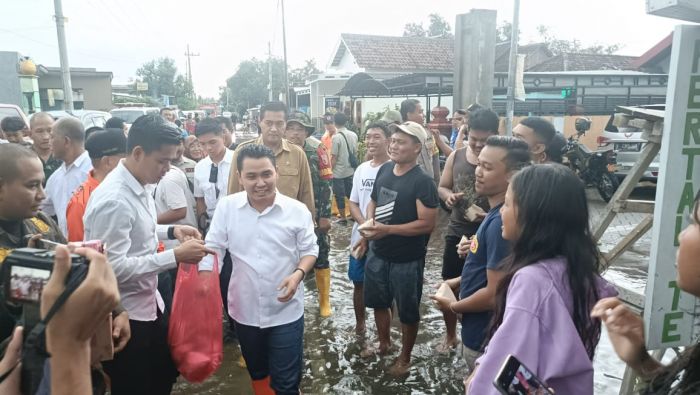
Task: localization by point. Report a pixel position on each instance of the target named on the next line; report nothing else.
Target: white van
(129, 114)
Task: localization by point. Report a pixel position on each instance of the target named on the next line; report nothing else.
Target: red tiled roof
(662, 48)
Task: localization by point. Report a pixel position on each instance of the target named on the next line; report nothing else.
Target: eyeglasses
(214, 178)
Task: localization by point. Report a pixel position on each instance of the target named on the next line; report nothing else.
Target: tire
(607, 185)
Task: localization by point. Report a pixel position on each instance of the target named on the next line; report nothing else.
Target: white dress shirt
(207, 190)
(61, 185)
(263, 255)
(122, 214)
(172, 193)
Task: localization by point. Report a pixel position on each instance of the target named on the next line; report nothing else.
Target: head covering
(328, 118)
(302, 119)
(413, 129)
(106, 143)
(392, 116)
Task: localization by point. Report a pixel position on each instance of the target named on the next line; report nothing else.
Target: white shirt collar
(78, 162)
(244, 202)
(129, 178)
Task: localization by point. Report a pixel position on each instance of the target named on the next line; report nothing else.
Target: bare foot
(399, 368)
(371, 350)
(360, 329)
(447, 345)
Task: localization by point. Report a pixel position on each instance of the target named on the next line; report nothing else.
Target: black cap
(106, 143)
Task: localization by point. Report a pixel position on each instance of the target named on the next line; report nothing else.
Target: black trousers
(144, 366)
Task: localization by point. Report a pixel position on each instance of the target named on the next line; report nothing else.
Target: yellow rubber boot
(262, 387)
(323, 283)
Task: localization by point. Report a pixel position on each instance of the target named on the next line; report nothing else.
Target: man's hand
(453, 198)
(11, 361)
(289, 286)
(376, 231)
(463, 247)
(191, 251)
(121, 331)
(33, 241)
(72, 327)
(184, 232)
(442, 303)
(324, 225)
(360, 248)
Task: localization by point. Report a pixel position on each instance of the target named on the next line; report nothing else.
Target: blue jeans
(276, 352)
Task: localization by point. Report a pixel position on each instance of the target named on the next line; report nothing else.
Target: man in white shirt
(174, 202)
(377, 140)
(211, 173)
(270, 259)
(68, 145)
(121, 212)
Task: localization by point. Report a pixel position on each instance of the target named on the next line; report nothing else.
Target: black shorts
(390, 281)
(452, 264)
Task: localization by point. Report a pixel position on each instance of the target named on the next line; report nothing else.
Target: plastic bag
(195, 332)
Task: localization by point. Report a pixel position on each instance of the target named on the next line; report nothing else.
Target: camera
(27, 270)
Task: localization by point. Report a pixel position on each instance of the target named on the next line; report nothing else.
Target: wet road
(331, 348)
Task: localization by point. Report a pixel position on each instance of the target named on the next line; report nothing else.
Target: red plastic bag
(195, 332)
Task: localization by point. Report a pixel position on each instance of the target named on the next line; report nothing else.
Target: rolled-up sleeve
(217, 237)
(306, 238)
(111, 221)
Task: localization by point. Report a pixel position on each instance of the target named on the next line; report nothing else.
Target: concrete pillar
(474, 55)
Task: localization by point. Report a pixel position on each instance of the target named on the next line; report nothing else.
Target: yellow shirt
(292, 168)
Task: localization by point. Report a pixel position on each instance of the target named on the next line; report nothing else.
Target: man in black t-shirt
(404, 207)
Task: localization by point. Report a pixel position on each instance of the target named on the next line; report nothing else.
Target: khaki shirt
(293, 169)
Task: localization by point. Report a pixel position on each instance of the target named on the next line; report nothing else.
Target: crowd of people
(521, 272)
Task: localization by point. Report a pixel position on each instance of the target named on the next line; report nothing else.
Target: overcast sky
(120, 35)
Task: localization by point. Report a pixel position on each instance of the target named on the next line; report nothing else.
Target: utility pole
(284, 44)
(512, 66)
(269, 72)
(189, 67)
(63, 54)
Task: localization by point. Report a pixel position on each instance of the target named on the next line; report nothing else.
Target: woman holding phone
(626, 329)
(541, 315)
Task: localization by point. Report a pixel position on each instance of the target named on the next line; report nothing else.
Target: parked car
(628, 143)
(129, 114)
(11, 110)
(89, 118)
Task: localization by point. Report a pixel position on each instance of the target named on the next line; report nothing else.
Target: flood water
(332, 350)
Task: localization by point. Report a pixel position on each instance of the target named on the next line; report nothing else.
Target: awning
(415, 84)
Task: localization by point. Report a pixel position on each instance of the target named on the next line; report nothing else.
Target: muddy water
(331, 349)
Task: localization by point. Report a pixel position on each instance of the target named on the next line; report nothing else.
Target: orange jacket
(76, 208)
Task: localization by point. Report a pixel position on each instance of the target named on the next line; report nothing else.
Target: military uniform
(9, 314)
(320, 178)
(50, 166)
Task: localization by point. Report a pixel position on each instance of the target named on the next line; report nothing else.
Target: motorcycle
(595, 168)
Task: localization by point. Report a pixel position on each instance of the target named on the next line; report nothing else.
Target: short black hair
(484, 119)
(544, 129)
(38, 115)
(151, 132)
(12, 124)
(164, 109)
(380, 125)
(555, 148)
(274, 106)
(208, 125)
(254, 151)
(115, 123)
(226, 121)
(517, 151)
(407, 106)
(10, 155)
(340, 119)
(70, 127)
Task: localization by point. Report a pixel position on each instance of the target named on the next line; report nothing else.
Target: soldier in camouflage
(299, 131)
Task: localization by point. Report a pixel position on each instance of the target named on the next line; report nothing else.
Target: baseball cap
(392, 116)
(106, 143)
(413, 129)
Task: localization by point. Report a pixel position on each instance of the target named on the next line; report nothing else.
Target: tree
(414, 30)
(299, 76)
(248, 86)
(559, 46)
(438, 27)
(163, 79)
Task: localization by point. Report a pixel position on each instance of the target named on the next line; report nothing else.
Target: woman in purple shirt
(542, 306)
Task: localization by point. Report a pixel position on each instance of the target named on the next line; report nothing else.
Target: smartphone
(514, 378)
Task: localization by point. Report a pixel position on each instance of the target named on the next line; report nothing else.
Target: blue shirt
(453, 137)
(487, 251)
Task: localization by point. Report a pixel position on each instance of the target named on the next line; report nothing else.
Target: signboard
(670, 315)
(331, 104)
(141, 86)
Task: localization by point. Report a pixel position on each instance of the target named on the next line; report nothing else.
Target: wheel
(607, 185)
